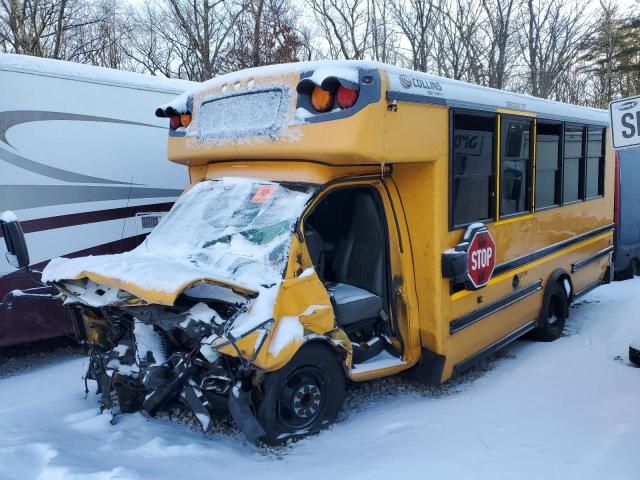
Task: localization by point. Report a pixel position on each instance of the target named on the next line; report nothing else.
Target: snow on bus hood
(231, 231)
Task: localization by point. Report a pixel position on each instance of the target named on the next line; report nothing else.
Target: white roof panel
(408, 85)
(90, 73)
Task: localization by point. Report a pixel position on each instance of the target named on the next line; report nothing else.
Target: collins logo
(405, 81)
(623, 106)
(433, 87)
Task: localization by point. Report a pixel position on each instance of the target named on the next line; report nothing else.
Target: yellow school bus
(353, 220)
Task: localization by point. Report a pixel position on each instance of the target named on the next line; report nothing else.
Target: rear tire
(553, 315)
(302, 397)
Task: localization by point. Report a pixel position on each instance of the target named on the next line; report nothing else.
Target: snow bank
(558, 411)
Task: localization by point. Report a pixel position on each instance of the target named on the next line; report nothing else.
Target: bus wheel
(553, 315)
(302, 397)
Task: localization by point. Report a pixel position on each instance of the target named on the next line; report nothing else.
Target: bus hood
(156, 279)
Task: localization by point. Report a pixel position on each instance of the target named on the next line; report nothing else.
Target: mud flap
(240, 408)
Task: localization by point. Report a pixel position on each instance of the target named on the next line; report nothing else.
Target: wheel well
(560, 277)
(341, 353)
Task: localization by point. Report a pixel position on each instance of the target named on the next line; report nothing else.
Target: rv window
(515, 166)
(572, 186)
(473, 171)
(595, 162)
(548, 173)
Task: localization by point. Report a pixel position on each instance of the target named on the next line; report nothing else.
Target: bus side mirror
(17, 251)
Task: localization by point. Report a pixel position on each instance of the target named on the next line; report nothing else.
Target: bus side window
(595, 162)
(472, 168)
(548, 171)
(573, 167)
(515, 165)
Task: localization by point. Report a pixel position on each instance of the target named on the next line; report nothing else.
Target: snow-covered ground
(565, 410)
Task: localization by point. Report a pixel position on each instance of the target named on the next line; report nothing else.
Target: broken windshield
(239, 227)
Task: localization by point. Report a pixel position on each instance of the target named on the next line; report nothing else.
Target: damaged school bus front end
(277, 275)
(219, 294)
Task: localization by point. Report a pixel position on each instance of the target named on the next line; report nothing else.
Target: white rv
(83, 166)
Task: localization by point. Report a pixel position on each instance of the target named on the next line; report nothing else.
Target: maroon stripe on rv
(117, 246)
(45, 318)
(73, 219)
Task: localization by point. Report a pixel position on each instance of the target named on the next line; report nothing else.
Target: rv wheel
(553, 315)
(302, 397)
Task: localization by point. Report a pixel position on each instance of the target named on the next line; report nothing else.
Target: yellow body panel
(402, 151)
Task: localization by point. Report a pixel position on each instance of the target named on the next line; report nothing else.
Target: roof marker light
(322, 100)
(174, 122)
(347, 97)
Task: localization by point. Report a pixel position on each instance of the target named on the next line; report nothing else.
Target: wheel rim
(302, 397)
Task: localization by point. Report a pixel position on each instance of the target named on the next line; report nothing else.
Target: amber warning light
(332, 94)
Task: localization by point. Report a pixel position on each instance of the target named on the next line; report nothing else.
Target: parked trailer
(82, 166)
(627, 255)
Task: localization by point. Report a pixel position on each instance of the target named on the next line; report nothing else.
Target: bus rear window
(473, 168)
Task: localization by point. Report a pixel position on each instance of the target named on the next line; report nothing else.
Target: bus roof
(89, 73)
(411, 86)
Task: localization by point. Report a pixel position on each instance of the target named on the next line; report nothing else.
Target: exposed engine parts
(146, 361)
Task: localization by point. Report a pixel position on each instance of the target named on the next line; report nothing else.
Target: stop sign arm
(473, 260)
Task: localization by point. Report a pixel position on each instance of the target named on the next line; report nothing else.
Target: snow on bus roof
(90, 73)
(413, 86)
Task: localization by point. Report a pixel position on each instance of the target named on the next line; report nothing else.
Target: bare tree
(553, 34)
(185, 38)
(46, 28)
(266, 33)
(345, 26)
(458, 48)
(384, 38)
(500, 51)
(416, 20)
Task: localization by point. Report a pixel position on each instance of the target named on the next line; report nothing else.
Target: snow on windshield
(236, 230)
(236, 226)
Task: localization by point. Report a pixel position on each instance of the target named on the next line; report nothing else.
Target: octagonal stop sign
(481, 258)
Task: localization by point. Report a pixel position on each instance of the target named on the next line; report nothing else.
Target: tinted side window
(595, 162)
(515, 166)
(548, 172)
(573, 163)
(472, 196)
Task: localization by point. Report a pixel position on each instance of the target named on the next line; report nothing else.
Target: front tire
(553, 315)
(302, 397)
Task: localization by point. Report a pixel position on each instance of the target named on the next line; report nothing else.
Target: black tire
(302, 397)
(553, 315)
(636, 267)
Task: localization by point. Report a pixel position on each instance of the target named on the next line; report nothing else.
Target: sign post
(624, 117)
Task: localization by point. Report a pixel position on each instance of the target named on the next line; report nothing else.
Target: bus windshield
(234, 227)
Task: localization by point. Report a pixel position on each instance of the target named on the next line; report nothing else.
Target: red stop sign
(481, 258)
